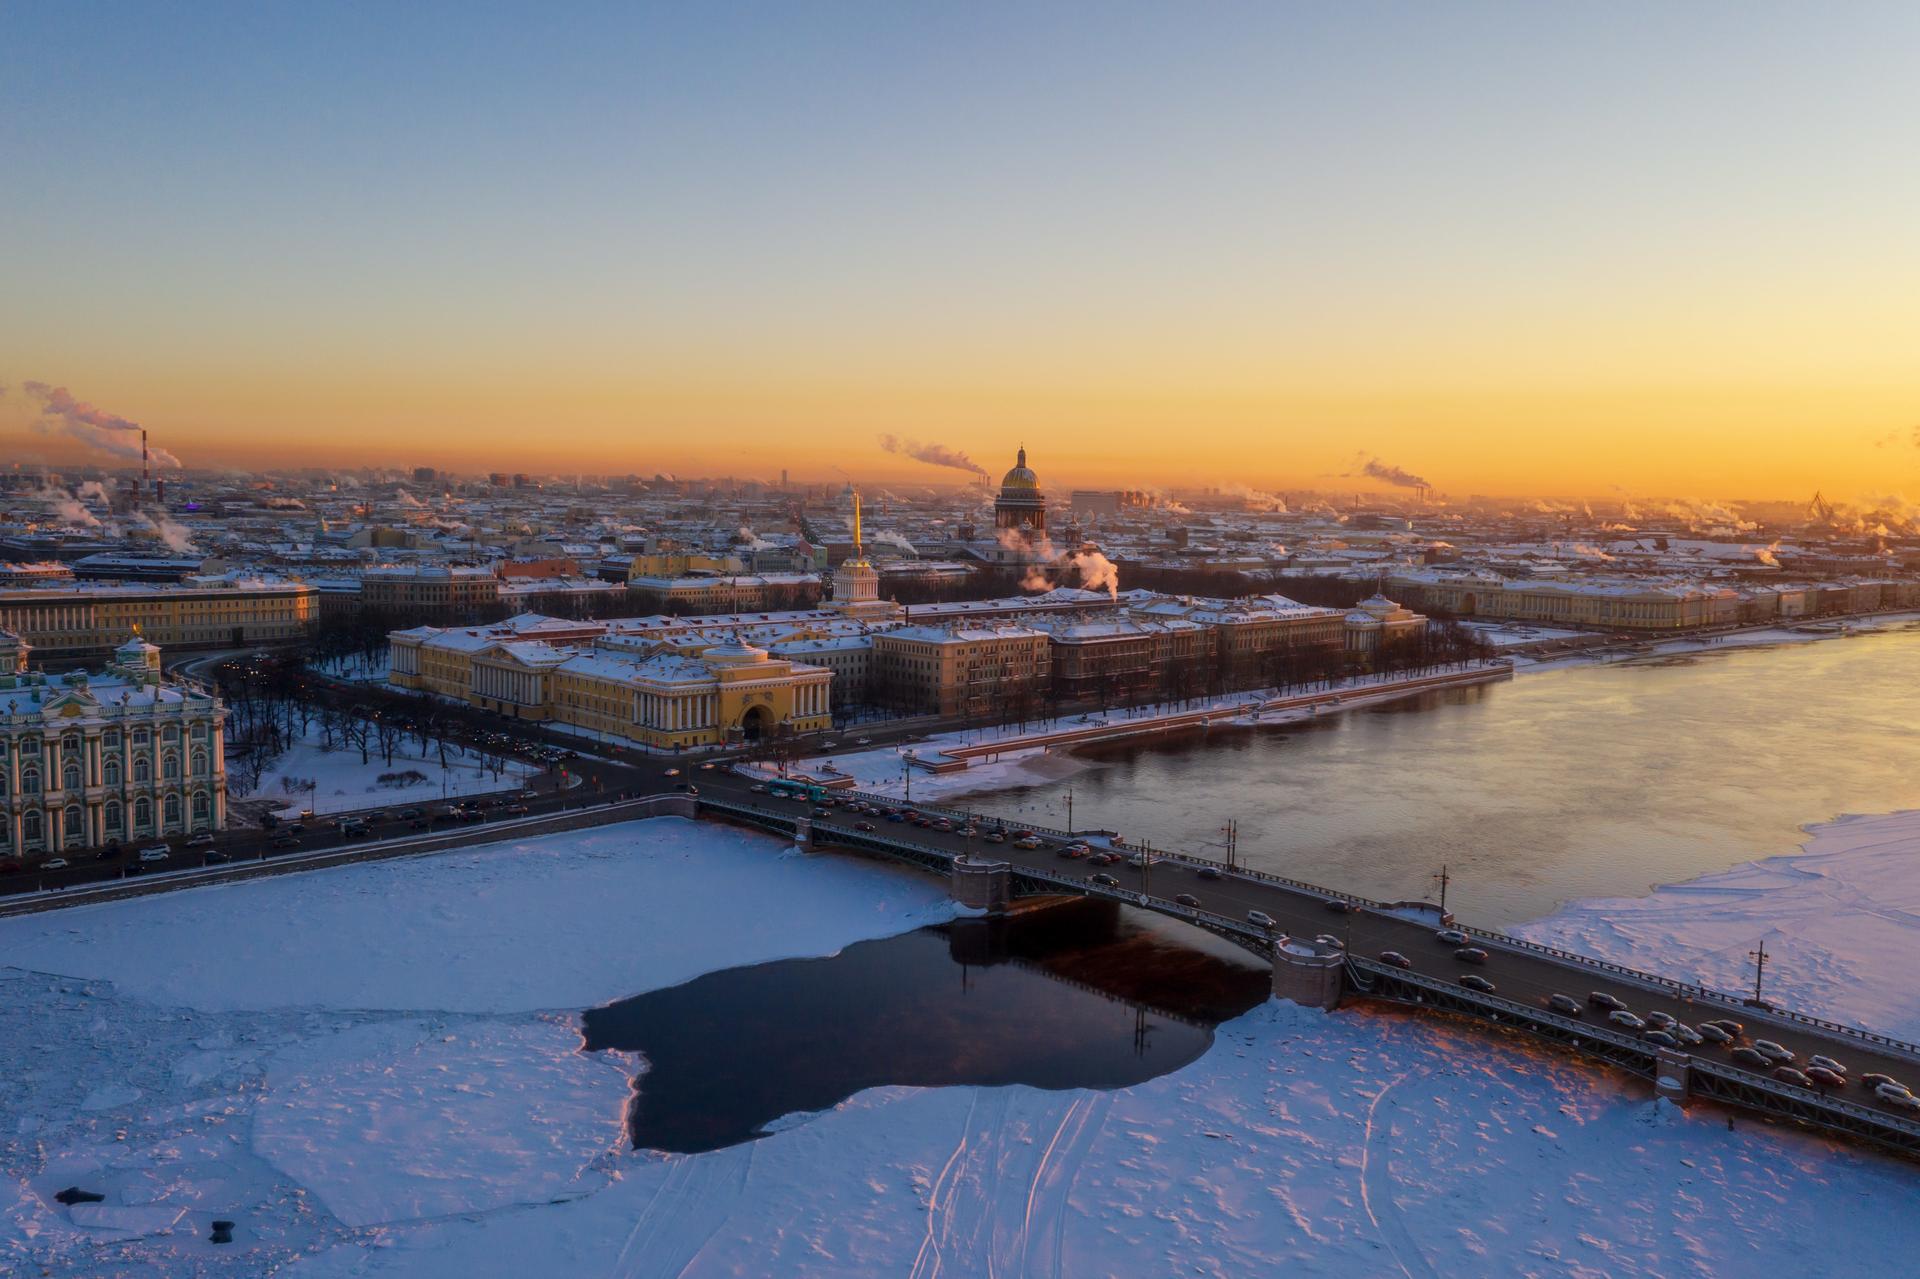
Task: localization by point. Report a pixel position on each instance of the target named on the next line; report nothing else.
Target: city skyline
(1510, 251)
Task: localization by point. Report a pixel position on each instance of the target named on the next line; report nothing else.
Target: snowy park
(340, 776)
(376, 1071)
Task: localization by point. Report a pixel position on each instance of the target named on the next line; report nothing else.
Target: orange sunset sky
(1513, 249)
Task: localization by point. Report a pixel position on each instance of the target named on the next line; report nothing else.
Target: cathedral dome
(1020, 478)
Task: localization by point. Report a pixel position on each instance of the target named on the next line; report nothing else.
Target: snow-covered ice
(375, 1071)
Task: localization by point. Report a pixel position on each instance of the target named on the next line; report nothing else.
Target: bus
(788, 789)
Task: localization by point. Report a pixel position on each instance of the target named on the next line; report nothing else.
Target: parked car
(215, 858)
(1450, 937)
(157, 853)
(1474, 981)
(1260, 919)
(1601, 999)
(1565, 1005)
(55, 863)
(203, 840)
(1395, 959)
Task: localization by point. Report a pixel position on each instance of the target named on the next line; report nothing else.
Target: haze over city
(841, 640)
(1515, 250)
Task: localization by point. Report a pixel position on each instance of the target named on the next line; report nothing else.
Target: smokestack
(146, 471)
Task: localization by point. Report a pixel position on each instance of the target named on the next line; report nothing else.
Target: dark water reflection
(1078, 996)
(1591, 781)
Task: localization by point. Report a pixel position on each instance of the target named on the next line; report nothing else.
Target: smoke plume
(753, 541)
(174, 537)
(69, 510)
(1370, 467)
(886, 537)
(61, 414)
(1093, 570)
(1253, 497)
(932, 454)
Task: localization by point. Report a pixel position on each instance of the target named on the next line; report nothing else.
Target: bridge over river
(1524, 974)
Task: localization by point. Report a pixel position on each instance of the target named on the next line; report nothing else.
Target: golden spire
(856, 525)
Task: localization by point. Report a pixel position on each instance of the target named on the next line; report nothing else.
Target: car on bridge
(1474, 981)
(1788, 1075)
(1713, 1033)
(1187, 899)
(1826, 1063)
(1260, 919)
(1450, 937)
(1626, 1020)
(1565, 1005)
(1601, 999)
(1874, 1079)
(1751, 1057)
(1103, 879)
(1395, 959)
(1661, 1038)
(1824, 1077)
(1470, 955)
(1778, 1054)
(1208, 872)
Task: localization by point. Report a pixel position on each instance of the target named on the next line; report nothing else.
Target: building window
(172, 811)
(111, 770)
(139, 737)
(70, 776)
(30, 828)
(115, 816)
(73, 827)
(202, 810)
(143, 814)
(142, 770)
(29, 781)
(170, 767)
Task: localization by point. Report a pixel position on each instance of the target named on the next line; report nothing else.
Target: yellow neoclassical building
(670, 697)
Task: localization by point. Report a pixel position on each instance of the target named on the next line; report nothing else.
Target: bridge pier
(982, 885)
(1307, 973)
(1673, 1075)
(803, 833)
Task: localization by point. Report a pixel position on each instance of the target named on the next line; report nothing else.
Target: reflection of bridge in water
(1324, 946)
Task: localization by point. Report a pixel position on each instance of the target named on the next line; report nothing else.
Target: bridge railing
(1606, 1034)
(1734, 1004)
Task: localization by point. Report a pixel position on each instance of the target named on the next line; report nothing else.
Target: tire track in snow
(1393, 1232)
(692, 1203)
(929, 1254)
(1053, 1179)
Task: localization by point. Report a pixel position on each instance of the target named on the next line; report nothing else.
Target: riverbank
(975, 760)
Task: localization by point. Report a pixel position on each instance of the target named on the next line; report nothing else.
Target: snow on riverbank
(882, 770)
(352, 1064)
(1841, 920)
(342, 782)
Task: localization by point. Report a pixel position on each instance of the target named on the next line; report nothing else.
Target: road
(1524, 976)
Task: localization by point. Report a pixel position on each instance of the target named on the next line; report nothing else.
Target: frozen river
(1587, 781)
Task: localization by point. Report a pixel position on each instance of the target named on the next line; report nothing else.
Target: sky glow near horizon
(1512, 248)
